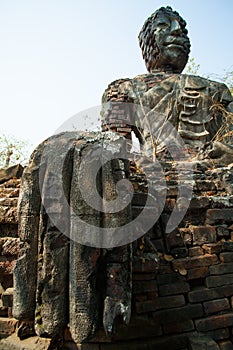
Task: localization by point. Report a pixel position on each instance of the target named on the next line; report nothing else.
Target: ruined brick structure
(9, 250)
(169, 289)
(190, 293)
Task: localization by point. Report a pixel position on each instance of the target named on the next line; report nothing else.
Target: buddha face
(171, 43)
(165, 42)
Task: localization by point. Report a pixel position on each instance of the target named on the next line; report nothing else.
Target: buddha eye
(162, 25)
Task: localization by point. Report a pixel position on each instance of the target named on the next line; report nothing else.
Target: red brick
(214, 216)
(178, 327)
(186, 312)
(228, 246)
(143, 277)
(222, 232)
(205, 294)
(6, 266)
(219, 334)
(201, 342)
(164, 268)
(204, 234)
(221, 269)
(73, 346)
(215, 306)
(179, 253)
(7, 326)
(226, 257)
(226, 345)
(10, 246)
(199, 202)
(174, 288)
(218, 281)
(7, 297)
(200, 272)
(139, 328)
(144, 287)
(145, 266)
(214, 322)
(186, 235)
(195, 251)
(205, 185)
(174, 239)
(212, 248)
(191, 263)
(160, 303)
(170, 278)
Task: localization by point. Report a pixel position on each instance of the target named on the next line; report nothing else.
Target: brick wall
(193, 288)
(189, 293)
(9, 248)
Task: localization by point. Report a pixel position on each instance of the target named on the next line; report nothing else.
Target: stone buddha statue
(196, 107)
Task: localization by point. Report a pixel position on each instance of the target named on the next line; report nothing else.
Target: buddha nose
(175, 26)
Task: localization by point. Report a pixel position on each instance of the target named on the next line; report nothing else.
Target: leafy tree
(13, 151)
(194, 68)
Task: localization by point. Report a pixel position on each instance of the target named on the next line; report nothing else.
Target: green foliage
(13, 151)
(194, 68)
(228, 80)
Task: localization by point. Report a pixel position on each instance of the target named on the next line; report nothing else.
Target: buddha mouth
(174, 45)
(175, 42)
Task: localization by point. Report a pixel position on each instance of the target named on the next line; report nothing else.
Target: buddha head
(164, 41)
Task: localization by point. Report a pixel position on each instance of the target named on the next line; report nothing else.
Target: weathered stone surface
(85, 293)
(52, 284)
(25, 273)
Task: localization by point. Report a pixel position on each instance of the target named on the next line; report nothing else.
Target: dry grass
(225, 133)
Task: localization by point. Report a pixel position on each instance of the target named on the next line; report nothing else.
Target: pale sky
(58, 56)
